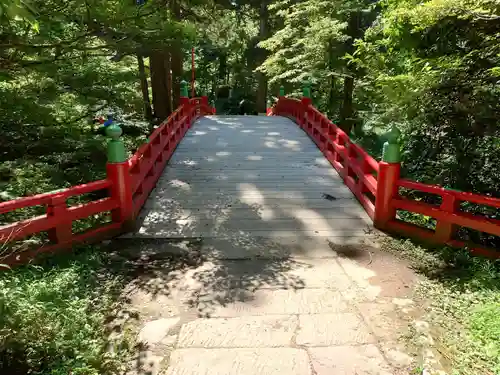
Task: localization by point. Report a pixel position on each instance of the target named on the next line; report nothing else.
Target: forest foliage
(431, 67)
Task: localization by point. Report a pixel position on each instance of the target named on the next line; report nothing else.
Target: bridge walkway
(281, 276)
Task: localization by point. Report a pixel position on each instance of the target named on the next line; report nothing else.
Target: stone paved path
(241, 266)
(335, 315)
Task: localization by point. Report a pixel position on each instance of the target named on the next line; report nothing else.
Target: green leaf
(495, 71)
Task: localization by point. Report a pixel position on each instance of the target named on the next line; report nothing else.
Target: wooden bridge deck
(251, 176)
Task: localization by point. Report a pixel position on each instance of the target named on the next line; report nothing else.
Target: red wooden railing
(376, 185)
(357, 168)
(449, 216)
(149, 160)
(128, 184)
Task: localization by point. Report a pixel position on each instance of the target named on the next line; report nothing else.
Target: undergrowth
(464, 296)
(49, 140)
(53, 317)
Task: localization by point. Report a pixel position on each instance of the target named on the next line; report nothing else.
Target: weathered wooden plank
(250, 176)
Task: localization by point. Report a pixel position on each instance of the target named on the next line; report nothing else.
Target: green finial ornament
(184, 89)
(391, 152)
(282, 91)
(116, 148)
(306, 89)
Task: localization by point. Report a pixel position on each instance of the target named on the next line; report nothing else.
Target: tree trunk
(331, 67)
(332, 95)
(222, 73)
(347, 111)
(148, 113)
(176, 58)
(176, 62)
(261, 103)
(158, 84)
(168, 82)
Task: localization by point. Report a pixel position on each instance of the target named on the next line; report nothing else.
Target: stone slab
(268, 361)
(243, 332)
(256, 274)
(333, 329)
(349, 360)
(384, 319)
(244, 246)
(155, 331)
(270, 302)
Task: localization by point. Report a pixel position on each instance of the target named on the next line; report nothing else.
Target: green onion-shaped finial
(306, 89)
(184, 89)
(391, 152)
(116, 148)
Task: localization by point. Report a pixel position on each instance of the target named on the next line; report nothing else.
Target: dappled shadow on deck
(231, 178)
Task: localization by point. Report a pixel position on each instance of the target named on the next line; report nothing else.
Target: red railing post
(184, 99)
(118, 173)
(445, 231)
(306, 102)
(58, 208)
(306, 94)
(186, 105)
(387, 180)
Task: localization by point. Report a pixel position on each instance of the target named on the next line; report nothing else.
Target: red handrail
(448, 215)
(357, 168)
(376, 184)
(45, 198)
(133, 179)
(459, 195)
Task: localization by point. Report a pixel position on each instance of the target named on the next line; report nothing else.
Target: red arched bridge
(292, 175)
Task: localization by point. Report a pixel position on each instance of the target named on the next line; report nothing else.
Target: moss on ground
(463, 294)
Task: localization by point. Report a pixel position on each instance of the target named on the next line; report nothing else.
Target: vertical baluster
(445, 231)
(58, 209)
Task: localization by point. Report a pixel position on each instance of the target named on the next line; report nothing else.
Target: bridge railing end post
(306, 93)
(118, 174)
(387, 180)
(184, 98)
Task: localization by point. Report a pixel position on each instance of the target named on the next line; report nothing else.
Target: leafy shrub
(53, 318)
